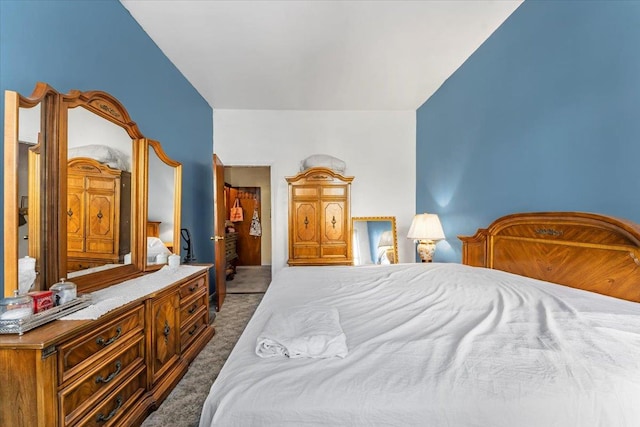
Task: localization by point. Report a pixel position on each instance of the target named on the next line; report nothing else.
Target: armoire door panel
(101, 216)
(306, 251)
(100, 246)
(333, 218)
(334, 251)
(106, 184)
(305, 222)
(75, 217)
(305, 192)
(75, 244)
(337, 191)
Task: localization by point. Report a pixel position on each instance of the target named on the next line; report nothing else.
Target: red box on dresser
(42, 300)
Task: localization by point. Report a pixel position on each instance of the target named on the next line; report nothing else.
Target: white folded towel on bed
(313, 332)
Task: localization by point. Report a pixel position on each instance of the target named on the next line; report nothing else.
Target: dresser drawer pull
(166, 331)
(101, 341)
(193, 308)
(194, 329)
(102, 418)
(194, 287)
(111, 376)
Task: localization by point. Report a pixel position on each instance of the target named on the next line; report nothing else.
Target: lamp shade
(386, 239)
(426, 227)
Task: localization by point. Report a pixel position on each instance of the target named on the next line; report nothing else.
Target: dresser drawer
(192, 287)
(190, 307)
(83, 394)
(192, 329)
(110, 410)
(84, 352)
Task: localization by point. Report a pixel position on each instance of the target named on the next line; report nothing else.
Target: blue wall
(545, 115)
(97, 45)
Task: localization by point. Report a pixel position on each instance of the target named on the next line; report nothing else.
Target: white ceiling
(318, 55)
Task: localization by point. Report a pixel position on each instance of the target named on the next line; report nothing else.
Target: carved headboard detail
(597, 253)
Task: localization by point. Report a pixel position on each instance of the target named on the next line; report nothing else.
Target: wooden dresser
(106, 372)
(98, 214)
(319, 218)
(231, 253)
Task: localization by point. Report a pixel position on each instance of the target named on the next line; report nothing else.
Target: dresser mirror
(375, 240)
(29, 128)
(99, 158)
(78, 173)
(164, 183)
(101, 168)
(28, 196)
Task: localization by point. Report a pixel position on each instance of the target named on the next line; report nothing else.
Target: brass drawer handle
(111, 376)
(193, 308)
(194, 329)
(102, 418)
(101, 341)
(194, 287)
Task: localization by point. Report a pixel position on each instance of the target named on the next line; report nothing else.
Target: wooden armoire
(98, 214)
(319, 218)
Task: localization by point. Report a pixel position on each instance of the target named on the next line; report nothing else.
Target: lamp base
(426, 249)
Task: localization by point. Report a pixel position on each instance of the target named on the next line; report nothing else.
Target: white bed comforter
(439, 345)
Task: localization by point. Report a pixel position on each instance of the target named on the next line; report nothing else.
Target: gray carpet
(183, 405)
(250, 279)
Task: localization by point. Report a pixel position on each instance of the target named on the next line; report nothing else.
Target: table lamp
(426, 229)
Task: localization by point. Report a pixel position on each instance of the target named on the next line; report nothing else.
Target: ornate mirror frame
(109, 108)
(150, 178)
(43, 192)
(389, 249)
(48, 190)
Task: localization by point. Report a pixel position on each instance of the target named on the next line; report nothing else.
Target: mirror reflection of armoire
(98, 214)
(88, 222)
(319, 218)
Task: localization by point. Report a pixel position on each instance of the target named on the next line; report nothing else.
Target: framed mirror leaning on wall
(375, 240)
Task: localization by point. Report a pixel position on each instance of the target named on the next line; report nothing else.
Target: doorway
(251, 187)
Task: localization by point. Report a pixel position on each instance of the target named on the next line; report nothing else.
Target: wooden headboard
(588, 251)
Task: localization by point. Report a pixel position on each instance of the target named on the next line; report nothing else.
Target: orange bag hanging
(236, 212)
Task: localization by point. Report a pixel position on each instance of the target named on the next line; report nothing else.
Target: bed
(541, 327)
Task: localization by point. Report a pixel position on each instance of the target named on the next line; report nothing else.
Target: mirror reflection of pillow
(155, 247)
(110, 156)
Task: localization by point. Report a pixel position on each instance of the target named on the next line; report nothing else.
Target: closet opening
(248, 226)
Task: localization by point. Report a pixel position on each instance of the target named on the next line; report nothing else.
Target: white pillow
(155, 247)
(325, 161)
